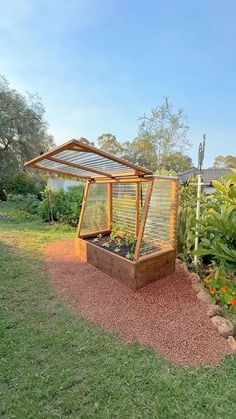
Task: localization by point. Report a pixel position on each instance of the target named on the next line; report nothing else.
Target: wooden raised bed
(133, 274)
(119, 192)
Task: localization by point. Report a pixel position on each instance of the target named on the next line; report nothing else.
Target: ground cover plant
(55, 364)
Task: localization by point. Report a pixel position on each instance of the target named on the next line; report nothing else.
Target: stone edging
(225, 327)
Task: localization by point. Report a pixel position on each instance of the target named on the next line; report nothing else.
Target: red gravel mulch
(165, 315)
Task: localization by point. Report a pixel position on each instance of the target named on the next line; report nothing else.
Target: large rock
(232, 343)
(225, 326)
(215, 310)
(197, 287)
(195, 278)
(204, 296)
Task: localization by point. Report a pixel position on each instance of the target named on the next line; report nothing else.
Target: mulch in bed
(165, 315)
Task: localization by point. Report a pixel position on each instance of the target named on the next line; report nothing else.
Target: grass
(55, 364)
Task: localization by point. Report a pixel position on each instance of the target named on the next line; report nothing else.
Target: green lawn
(55, 364)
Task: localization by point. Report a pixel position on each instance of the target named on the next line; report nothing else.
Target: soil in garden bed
(123, 248)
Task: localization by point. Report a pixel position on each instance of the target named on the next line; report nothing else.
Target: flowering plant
(221, 288)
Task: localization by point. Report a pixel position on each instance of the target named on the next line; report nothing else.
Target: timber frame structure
(118, 191)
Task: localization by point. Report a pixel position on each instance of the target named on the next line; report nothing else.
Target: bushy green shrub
(24, 184)
(61, 206)
(218, 226)
(28, 203)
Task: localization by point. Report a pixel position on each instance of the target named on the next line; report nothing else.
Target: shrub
(218, 226)
(28, 203)
(61, 206)
(221, 288)
(24, 184)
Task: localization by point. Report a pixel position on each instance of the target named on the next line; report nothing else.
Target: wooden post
(143, 221)
(109, 205)
(83, 208)
(199, 182)
(137, 209)
(173, 213)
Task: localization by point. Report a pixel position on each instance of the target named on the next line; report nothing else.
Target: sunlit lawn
(55, 364)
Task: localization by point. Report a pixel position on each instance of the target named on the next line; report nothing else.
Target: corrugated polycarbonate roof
(78, 159)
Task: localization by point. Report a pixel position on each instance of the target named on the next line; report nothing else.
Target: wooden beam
(137, 209)
(80, 166)
(94, 233)
(83, 208)
(123, 180)
(59, 172)
(143, 221)
(173, 214)
(109, 205)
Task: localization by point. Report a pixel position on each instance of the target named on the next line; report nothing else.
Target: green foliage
(57, 364)
(61, 206)
(25, 183)
(109, 143)
(227, 161)
(218, 226)
(28, 203)
(176, 162)
(106, 245)
(222, 288)
(166, 130)
(23, 130)
(187, 220)
(129, 255)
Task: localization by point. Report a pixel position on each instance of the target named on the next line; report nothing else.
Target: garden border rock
(225, 327)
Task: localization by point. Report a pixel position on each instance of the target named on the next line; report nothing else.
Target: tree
(109, 143)
(23, 129)
(142, 152)
(227, 161)
(165, 130)
(86, 141)
(176, 162)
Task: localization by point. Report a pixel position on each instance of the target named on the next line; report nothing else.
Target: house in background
(63, 184)
(208, 175)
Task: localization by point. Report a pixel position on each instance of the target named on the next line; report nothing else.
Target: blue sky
(98, 65)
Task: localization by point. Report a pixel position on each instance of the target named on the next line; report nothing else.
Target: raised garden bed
(133, 274)
(118, 192)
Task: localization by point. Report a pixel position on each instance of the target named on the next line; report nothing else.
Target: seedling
(97, 239)
(117, 250)
(106, 244)
(129, 255)
(118, 242)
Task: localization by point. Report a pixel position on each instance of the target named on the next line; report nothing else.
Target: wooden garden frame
(96, 167)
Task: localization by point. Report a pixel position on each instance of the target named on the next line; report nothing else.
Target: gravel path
(164, 315)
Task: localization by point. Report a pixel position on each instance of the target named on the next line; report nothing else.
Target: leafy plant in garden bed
(119, 241)
(221, 288)
(218, 227)
(218, 241)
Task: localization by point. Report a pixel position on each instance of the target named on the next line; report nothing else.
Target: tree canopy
(109, 143)
(227, 161)
(23, 129)
(166, 130)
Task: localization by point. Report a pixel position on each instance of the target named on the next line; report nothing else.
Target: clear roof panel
(82, 160)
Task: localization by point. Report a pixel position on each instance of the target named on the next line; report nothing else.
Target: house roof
(81, 160)
(208, 175)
